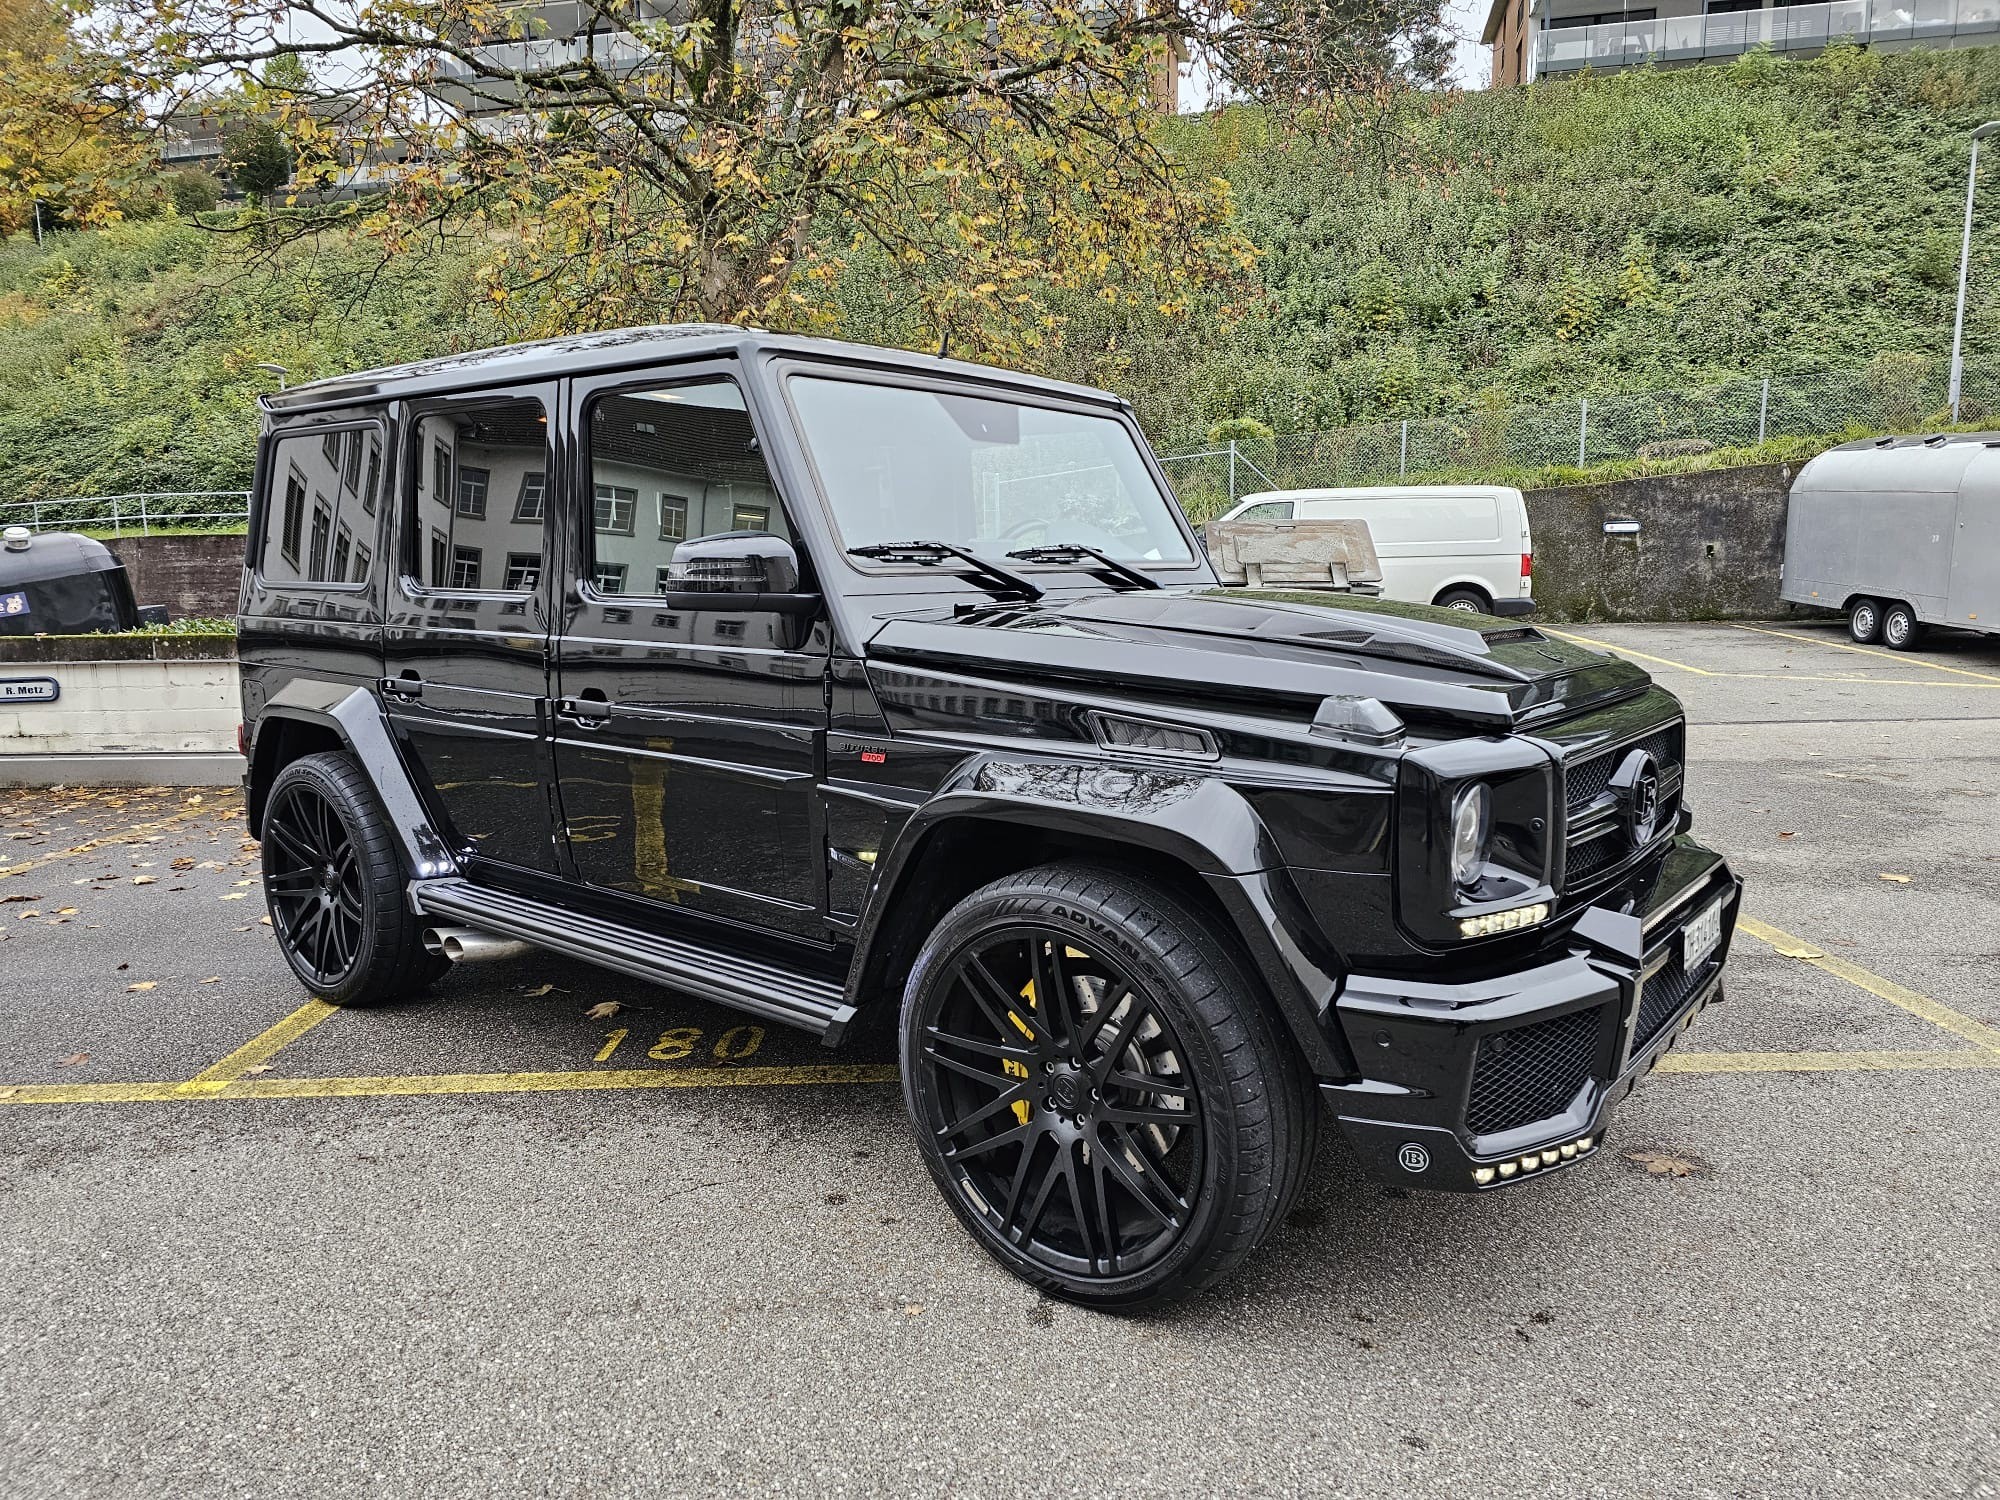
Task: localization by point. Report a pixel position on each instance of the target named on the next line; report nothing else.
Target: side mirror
(750, 570)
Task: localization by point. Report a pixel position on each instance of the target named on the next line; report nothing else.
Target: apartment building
(1533, 39)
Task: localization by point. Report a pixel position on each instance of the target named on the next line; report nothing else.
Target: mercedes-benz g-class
(854, 687)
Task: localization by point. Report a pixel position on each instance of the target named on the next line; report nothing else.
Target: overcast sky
(1466, 17)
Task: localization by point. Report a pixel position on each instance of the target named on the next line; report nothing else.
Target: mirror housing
(748, 570)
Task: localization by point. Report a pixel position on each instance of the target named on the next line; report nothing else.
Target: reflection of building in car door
(465, 645)
(686, 738)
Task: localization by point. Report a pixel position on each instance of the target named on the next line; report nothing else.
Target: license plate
(1701, 937)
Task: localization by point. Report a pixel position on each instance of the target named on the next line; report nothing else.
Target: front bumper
(1465, 1081)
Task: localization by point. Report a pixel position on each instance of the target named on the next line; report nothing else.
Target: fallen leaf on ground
(213, 979)
(604, 1010)
(185, 862)
(5, 899)
(143, 880)
(1663, 1163)
(265, 920)
(1788, 835)
(143, 984)
(912, 1309)
(65, 911)
(539, 990)
(74, 1058)
(1899, 879)
(260, 1068)
(232, 895)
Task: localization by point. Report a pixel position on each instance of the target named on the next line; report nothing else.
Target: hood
(1206, 644)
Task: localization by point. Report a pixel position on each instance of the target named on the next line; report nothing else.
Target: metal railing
(1629, 44)
(141, 511)
(1898, 392)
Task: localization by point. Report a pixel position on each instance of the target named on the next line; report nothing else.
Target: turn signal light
(1489, 923)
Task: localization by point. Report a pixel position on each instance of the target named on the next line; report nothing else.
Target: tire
(1043, 1136)
(1901, 629)
(1469, 600)
(334, 884)
(1864, 621)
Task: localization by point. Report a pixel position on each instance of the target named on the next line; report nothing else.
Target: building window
(350, 469)
(343, 547)
(322, 531)
(374, 475)
(673, 517)
(440, 558)
(750, 518)
(528, 504)
(729, 630)
(295, 517)
(524, 572)
(615, 505)
(472, 491)
(441, 474)
(608, 578)
(329, 447)
(663, 579)
(361, 561)
(465, 567)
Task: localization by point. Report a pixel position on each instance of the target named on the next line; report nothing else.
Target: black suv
(848, 686)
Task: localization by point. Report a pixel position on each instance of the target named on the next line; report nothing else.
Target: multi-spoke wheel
(335, 886)
(1097, 1088)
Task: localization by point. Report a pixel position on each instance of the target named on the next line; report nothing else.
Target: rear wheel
(1864, 621)
(334, 885)
(1097, 1087)
(1901, 629)
(1469, 600)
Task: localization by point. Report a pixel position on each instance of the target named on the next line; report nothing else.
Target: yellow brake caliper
(1021, 1107)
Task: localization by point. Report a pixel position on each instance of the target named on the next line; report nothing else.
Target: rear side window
(477, 515)
(319, 507)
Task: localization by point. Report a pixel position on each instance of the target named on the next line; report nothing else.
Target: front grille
(1585, 780)
(1600, 853)
(1531, 1072)
(1662, 996)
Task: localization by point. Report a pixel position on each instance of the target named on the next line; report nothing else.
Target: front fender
(1201, 823)
(355, 718)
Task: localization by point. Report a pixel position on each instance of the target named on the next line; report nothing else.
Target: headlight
(1471, 821)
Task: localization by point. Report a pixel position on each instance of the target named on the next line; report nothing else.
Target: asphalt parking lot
(494, 1244)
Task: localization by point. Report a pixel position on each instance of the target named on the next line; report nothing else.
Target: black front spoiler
(1420, 1042)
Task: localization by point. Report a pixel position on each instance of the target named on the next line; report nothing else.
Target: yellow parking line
(1584, 640)
(1900, 658)
(450, 1083)
(1823, 1062)
(1976, 1032)
(259, 1049)
(127, 837)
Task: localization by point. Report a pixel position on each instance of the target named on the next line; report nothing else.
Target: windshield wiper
(1072, 552)
(997, 580)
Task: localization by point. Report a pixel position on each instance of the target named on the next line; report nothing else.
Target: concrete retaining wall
(196, 577)
(1710, 547)
(137, 710)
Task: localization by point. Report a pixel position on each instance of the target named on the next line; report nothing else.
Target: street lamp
(281, 372)
(1964, 257)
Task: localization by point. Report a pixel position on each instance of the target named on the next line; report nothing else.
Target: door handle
(585, 713)
(409, 689)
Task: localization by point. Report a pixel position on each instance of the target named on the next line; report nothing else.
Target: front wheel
(1901, 629)
(1098, 1087)
(1864, 622)
(1467, 600)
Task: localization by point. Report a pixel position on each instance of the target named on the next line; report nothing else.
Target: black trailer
(59, 583)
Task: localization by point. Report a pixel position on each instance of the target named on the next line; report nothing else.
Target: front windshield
(991, 476)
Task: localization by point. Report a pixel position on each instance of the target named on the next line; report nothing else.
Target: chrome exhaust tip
(468, 945)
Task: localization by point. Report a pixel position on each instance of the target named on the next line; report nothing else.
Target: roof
(623, 348)
(1495, 14)
(1897, 465)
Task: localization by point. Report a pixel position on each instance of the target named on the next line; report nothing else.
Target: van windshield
(989, 475)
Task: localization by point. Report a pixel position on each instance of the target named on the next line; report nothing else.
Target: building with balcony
(1533, 39)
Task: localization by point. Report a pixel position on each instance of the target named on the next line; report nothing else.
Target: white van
(1464, 546)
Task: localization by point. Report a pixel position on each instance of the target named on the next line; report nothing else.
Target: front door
(466, 640)
(688, 741)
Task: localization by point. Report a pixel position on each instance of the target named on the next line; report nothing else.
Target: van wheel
(1901, 629)
(334, 885)
(1469, 600)
(1864, 621)
(1098, 1087)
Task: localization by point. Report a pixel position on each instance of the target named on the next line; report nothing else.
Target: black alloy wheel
(335, 886)
(1081, 1106)
(312, 880)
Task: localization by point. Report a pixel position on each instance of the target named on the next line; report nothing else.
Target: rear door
(688, 741)
(465, 642)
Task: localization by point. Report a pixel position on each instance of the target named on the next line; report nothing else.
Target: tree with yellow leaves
(67, 146)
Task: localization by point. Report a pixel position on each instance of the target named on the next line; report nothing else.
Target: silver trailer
(1899, 533)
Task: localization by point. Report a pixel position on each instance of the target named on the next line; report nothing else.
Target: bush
(193, 192)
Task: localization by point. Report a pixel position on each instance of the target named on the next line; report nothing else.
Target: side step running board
(767, 990)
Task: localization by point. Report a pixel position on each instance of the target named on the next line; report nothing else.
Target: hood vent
(1116, 732)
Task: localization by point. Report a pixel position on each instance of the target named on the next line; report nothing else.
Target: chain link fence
(1894, 393)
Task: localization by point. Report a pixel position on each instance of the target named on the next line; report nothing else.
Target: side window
(1270, 510)
(670, 465)
(463, 456)
(320, 498)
